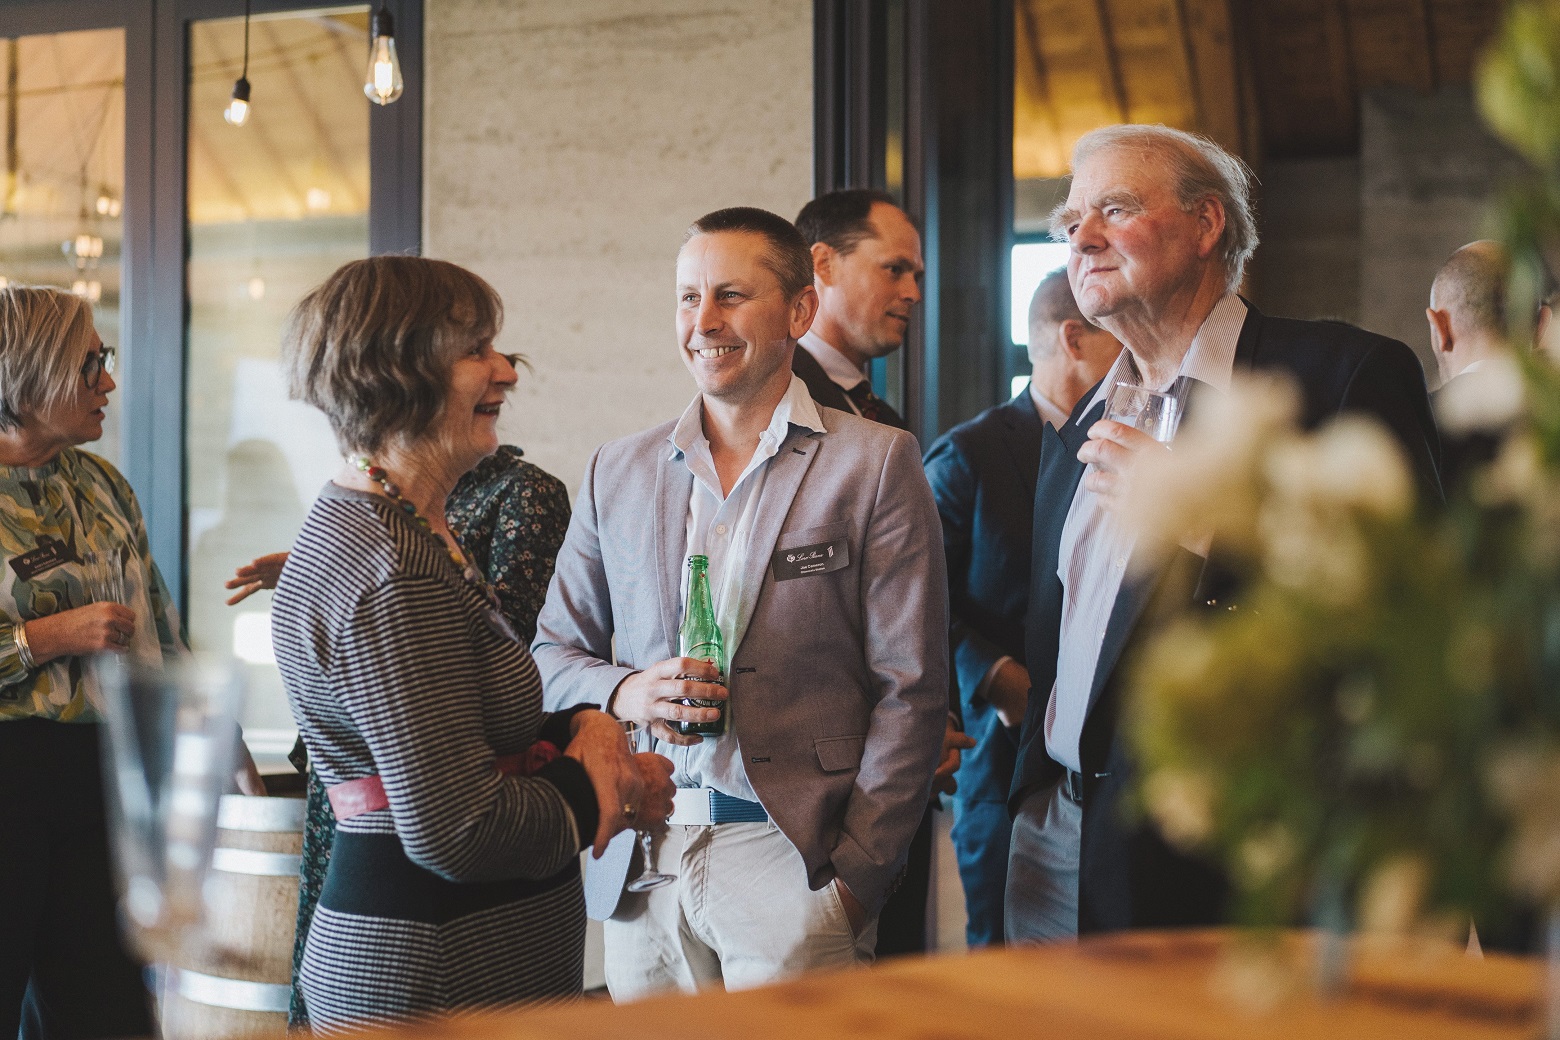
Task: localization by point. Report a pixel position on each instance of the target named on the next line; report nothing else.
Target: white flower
(1488, 398)
(1352, 463)
(1265, 853)
(1394, 896)
(1182, 803)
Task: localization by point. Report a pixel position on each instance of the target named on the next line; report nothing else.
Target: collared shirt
(1048, 410)
(839, 368)
(721, 528)
(1094, 553)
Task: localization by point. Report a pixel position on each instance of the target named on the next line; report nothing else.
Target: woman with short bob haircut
(57, 504)
(454, 879)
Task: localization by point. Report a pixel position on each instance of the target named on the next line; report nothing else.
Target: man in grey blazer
(826, 564)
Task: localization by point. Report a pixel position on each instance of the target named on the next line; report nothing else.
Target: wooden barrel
(238, 987)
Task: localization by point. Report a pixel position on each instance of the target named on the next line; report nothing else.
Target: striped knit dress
(465, 892)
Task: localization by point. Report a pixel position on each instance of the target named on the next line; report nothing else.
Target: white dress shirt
(1048, 410)
(1094, 552)
(721, 528)
(842, 372)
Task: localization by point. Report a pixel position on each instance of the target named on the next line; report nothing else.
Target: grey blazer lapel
(786, 471)
(673, 486)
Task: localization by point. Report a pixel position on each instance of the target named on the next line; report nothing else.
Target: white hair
(1201, 170)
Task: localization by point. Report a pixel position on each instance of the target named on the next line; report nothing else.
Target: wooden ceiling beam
(1208, 40)
(1389, 43)
(1037, 126)
(1118, 86)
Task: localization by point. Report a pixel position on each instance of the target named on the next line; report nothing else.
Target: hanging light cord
(245, 74)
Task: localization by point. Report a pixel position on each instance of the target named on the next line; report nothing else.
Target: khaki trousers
(739, 915)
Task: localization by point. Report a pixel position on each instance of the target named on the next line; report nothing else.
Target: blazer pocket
(837, 754)
(811, 551)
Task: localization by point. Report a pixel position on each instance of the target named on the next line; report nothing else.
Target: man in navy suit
(1160, 227)
(983, 477)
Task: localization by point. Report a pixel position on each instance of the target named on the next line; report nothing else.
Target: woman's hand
(601, 746)
(81, 631)
(260, 573)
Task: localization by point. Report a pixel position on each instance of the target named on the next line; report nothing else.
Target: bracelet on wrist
(23, 649)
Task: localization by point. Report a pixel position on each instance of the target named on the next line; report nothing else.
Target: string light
(237, 111)
(383, 83)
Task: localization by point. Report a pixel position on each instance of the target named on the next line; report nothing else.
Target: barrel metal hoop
(238, 994)
(248, 861)
(240, 812)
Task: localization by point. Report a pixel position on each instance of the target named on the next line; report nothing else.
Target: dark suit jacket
(1128, 876)
(983, 478)
(822, 389)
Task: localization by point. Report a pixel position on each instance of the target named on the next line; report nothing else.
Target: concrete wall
(568, 144)
(1361, 238)
(1431, 180)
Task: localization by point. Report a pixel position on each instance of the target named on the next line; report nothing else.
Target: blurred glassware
(105, 576)
(172, 732)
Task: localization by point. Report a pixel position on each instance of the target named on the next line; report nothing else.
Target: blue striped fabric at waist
(704, 806)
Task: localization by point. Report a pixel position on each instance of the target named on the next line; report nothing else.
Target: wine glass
(1155, 412)
(172, 732)
(105, 576)
(649, 877)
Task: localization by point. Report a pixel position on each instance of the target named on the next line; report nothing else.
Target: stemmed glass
(171, 737)
(649, 877)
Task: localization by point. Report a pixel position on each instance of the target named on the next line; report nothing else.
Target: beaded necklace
(467, 570)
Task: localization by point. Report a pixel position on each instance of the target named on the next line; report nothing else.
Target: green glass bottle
(700, 638)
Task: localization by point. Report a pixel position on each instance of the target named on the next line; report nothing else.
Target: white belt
(705, 807)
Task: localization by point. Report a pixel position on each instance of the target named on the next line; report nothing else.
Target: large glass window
(62, 131)
(274, 206)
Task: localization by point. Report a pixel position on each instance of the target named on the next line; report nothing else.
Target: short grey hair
(373, 346)
(45, 335)
(1052, 304)
(1201, 170)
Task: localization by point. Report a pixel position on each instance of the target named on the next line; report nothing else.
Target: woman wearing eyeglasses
(58, 503)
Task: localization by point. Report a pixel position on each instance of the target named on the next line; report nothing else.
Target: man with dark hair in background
(867, 270)
(827, 582)
(983, 477)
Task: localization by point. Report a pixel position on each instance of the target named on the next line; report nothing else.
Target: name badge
(804, 561)
(49, 555)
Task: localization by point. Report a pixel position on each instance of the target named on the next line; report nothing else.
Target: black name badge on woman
(50, 553)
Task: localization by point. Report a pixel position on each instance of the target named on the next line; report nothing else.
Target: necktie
(873, 407)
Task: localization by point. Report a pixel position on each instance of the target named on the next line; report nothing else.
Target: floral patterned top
(51, 516)
(510, 517)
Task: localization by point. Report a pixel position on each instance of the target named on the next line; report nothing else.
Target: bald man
(1467, 316)
(982, 474)
(1467, 311)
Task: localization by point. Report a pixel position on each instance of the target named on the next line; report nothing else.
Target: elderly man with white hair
(1160, 225)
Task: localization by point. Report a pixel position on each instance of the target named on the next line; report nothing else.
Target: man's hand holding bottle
(655, 696)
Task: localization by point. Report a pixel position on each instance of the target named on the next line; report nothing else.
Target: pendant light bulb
(383, 84)
(237, 111)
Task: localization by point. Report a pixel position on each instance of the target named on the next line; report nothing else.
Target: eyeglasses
(98, 362)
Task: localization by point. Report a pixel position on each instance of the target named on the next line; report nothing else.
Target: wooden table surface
(1146, 986)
